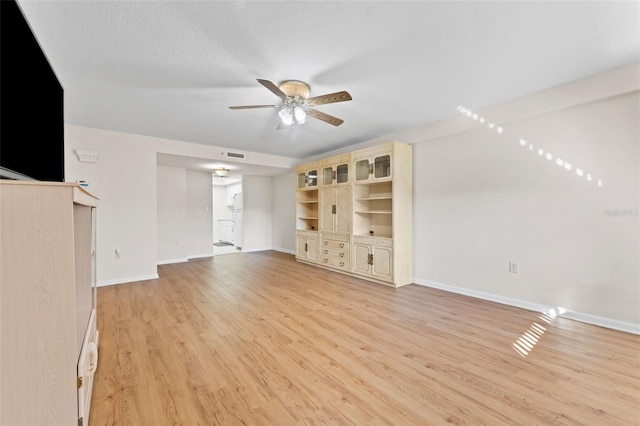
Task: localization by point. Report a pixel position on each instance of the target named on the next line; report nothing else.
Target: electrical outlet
(513, 267)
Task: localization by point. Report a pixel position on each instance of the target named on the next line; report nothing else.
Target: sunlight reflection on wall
(536, 150)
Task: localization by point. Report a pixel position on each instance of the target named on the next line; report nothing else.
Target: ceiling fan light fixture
(286, 115)
(221, 172)
(293, 112)
(300, 114)
(296, 104)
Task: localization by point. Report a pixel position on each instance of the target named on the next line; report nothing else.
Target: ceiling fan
(296, 103)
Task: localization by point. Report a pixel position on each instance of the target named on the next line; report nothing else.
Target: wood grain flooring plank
(259, 339)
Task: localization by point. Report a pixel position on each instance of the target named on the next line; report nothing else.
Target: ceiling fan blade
(329, 99)
(325, 117)
(253, 106)
(275, 89)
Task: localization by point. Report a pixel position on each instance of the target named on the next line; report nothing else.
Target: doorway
(227, 215)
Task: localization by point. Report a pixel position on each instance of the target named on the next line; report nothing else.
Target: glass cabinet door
(313, 178)
(302, 180)
(342, 173)
(327, 176)
(382, 166)
(362, 170)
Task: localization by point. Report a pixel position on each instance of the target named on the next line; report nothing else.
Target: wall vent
(235, 154)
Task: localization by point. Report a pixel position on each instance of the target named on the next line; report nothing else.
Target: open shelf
(374, 198)
(378, 235)
(373, 209)
(373, 212)
(307, 210)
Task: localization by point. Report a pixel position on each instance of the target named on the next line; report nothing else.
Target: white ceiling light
(286, 115)
(293, 112)
(221, 172)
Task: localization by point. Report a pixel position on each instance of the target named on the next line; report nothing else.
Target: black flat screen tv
(31, 103)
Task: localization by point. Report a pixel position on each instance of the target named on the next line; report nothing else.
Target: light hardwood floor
(256, 338)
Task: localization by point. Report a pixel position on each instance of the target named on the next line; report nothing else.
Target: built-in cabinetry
(307, 213)
(48, 335)
(307, 246)
(364, 212)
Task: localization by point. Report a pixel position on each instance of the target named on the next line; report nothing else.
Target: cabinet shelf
(374, 198)
(374, 212)
(381, 235)
(308, 217)
(308, 202)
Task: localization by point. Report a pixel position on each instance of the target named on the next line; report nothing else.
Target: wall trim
(256, 249)
(626, 327)
(127, 280)
(199, 256)
(283, 250)
(168, 261)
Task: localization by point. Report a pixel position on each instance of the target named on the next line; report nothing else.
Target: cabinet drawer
(336, 253)
(381, 242)
(331, 244)
(308, 234)
(335, 263)
(335, 237)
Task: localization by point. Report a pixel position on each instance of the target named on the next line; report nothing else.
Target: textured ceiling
(171, 68)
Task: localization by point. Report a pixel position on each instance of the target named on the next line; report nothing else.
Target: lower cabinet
(335, 252)
(307, 246)
(373, 257)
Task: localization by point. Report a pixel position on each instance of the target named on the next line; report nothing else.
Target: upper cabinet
(335, 171)
(307, 178)
(371, 165)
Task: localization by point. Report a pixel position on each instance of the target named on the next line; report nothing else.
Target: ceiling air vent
(235, 155)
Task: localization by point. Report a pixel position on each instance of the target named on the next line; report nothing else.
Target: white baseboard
(199, 256)
(169, 261)
(284, 250)
(127, 280)
(256, 249)
(627, 327)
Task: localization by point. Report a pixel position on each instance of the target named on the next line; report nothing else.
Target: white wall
(481, 200)
(256, 213)
(185, 223)
(125, 181)
(172, 214)
(283, 210)
(199, 221)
